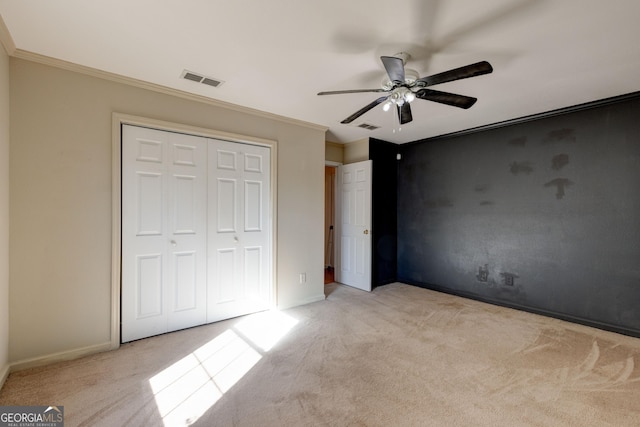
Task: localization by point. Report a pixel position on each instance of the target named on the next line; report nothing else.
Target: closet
(196, 231)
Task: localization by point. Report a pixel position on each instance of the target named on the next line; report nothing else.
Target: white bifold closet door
(195, 231)
(239, 230)
(164, 233)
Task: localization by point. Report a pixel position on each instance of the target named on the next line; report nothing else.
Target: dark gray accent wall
(542, 215)
(384, 185)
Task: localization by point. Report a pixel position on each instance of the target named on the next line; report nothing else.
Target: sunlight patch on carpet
(185, 390)
(267, 328)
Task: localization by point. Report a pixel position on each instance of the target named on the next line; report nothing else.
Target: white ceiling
(276, 55)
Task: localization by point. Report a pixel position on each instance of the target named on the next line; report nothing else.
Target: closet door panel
(163, 232)
(239, 195)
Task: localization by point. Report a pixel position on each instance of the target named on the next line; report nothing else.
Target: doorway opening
(329, 223)
(348, 230)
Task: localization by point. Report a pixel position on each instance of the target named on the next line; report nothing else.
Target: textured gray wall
(384, 225)
(542, 215)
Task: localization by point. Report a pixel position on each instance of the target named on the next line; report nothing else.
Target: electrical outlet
(508, 279)
(303, 278)
(483, 274)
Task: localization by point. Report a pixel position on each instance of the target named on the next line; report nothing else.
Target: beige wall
(4, 214)
(334, 152)
(356, 151)
(61, 201)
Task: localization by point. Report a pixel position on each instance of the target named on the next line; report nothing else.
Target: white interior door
(164, 179)
(239, 256)
(354, 222)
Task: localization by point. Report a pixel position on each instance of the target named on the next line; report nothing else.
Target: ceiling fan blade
(364, 110)
(447, 98)
(404, 113)
(394, 67)
(477, 69)
(339, 92)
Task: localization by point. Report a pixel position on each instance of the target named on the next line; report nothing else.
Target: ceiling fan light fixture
(387, 105)
(409, 96)
(386, 83)
(402, 94)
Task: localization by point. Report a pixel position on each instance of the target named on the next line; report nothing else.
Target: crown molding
(117, 78)
(5, 38)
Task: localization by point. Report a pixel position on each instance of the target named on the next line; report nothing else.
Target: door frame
(338, 228)
(119, 119)
(336, 238)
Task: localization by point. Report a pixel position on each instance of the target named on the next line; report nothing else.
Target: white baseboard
(305, 301)
(4, 374)
(316, 298)
(59, 357)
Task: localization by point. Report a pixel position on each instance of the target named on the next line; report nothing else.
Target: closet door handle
(174, 243)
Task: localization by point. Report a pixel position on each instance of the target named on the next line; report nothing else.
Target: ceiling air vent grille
(211, 82)
(190, 76)
(199, 78)
(368, 126)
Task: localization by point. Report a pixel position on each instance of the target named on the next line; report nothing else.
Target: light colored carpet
(398, 356)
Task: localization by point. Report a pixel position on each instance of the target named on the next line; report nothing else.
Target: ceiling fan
(403, 86)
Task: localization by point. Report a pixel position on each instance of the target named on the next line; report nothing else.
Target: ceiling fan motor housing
(410, 76)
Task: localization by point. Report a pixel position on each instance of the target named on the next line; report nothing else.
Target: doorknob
(235, 239)
(366, 231)
(174, 243)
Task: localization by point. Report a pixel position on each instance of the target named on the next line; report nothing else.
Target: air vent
(368, 126)
(190, 76)
(198, 78)
(211, 82)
